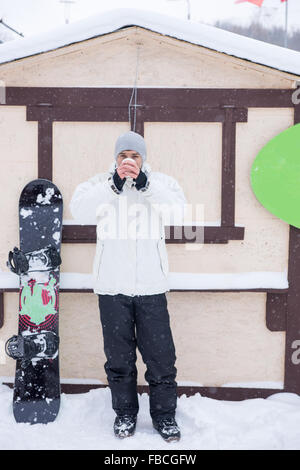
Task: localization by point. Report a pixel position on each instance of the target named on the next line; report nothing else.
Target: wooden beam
(189, 234)
(217, 393)
(183, 97)
(1, 308)
(292, 344)
(276, 311)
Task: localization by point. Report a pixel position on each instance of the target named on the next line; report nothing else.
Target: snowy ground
(85, 422)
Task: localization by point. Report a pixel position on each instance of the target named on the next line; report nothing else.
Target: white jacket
(129, 261)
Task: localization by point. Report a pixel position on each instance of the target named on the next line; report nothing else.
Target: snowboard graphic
(37, 263)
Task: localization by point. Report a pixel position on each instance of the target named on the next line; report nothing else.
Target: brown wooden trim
(219, 234)
(276, 311)
(79, 234)
(228, 169)
(184, 97)
(139, 125)
(45, 167)
(211, 234)
(1, 308)
(297, 114)
(292, 364)
(172, 113)
(292, 367)
(114, 113)
(77, 113)
(217, 393)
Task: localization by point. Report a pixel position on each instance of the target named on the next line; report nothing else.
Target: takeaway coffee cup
(128, 159)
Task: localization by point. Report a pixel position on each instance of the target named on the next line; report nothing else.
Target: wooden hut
(207, 101)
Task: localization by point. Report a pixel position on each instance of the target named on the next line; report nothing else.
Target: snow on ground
(85, 422)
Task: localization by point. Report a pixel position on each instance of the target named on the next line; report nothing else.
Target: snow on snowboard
(37, 263)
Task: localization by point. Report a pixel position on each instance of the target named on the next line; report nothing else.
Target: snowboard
(36, 397)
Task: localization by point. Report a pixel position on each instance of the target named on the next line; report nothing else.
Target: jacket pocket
(163, 256)
(98, 257)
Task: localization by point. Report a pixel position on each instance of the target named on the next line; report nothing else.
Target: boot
(124, 426)
(167, 428)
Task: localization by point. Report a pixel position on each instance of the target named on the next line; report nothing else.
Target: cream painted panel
(264, 248)
(77, 258)
(81, 348)
(81, 150)
(192, 154)
(262, 126)
(18, 163)
(10, 328)
(111, 60)
(219, 338)
(222, 337)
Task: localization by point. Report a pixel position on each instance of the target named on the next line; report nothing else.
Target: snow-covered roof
(204, 35)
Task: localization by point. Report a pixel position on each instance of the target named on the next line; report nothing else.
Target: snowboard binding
(17, 262)
(24, 347)
(40, 260)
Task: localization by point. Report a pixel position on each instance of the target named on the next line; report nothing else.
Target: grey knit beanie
(131, 141)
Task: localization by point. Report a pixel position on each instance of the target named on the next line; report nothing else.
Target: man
(130, 272)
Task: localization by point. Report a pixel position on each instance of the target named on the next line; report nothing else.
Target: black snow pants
(139, 321)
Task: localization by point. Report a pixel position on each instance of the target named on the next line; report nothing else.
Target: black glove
(119, 182)
(141, 180)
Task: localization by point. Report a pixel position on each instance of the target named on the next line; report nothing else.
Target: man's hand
(132, 169)
(128, 169)
(141, 180)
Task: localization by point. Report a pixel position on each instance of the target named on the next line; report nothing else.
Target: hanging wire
(134, 92)
(9, 27)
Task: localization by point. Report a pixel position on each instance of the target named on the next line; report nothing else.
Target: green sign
(275, 176)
